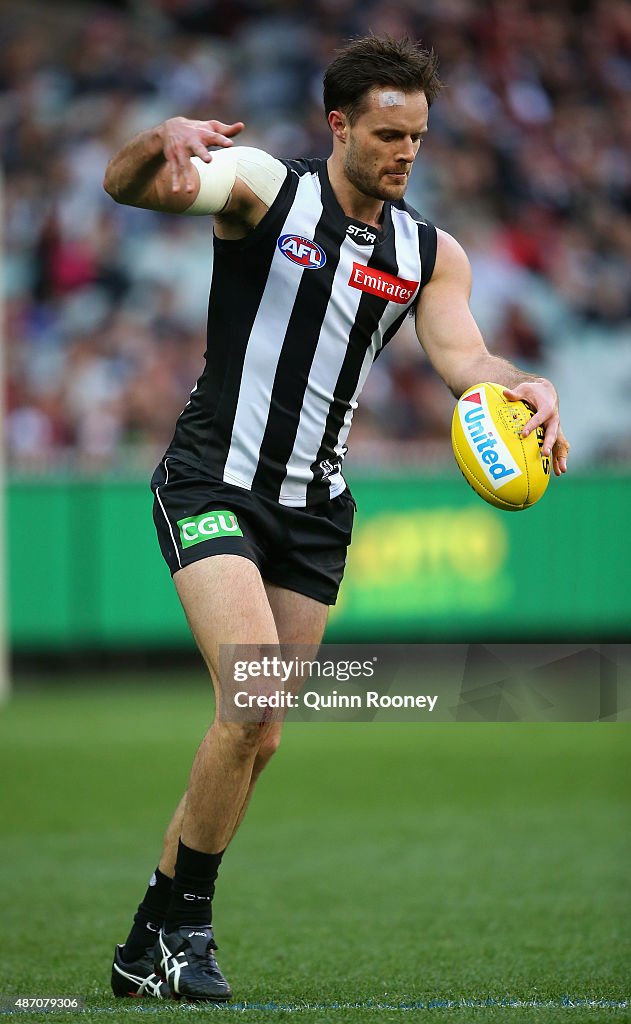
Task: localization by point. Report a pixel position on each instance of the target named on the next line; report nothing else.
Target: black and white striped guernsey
(298, 311)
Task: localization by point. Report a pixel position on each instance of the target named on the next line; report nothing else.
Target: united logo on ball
(504, 468)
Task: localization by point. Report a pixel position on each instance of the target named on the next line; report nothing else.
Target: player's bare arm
(154, 170)
(453, 342)
(169, 169)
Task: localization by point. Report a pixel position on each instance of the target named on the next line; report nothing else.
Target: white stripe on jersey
(265, 344)
(406, 246)
(325, 369)
(409, 268)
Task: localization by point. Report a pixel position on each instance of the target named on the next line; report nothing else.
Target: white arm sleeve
(262, 173)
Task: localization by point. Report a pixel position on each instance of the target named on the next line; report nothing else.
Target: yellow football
(504, 468)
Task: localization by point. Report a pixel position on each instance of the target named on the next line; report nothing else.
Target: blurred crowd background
(527, 163)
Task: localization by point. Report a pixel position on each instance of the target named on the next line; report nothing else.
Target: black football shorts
(297, 548)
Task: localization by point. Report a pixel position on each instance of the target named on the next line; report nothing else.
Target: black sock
(193, 888)
(149, 917)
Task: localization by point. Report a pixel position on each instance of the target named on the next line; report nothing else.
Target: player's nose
(407, 151)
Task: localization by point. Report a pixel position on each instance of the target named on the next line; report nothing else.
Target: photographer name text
(320, 701)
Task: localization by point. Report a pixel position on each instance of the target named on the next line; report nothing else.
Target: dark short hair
(372, 61)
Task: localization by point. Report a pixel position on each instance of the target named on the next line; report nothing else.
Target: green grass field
(474, 872)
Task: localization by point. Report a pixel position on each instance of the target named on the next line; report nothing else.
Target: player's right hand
(182, 139)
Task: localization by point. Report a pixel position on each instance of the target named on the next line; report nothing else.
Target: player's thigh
(300, 622)
(226, 604)
(299, 619)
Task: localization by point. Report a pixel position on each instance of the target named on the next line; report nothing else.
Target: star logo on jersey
(302, 251)
(361, 234)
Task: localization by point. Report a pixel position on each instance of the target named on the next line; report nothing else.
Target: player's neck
(354, 203)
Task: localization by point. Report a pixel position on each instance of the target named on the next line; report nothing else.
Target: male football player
(316, 264)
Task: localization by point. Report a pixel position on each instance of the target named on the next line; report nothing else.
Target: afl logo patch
(302, 251)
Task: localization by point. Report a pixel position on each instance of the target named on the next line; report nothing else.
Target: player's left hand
(183, 138)
(541, 395)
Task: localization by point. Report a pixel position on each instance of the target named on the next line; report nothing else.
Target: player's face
(383, 142)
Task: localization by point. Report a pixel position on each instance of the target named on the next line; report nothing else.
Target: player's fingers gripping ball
(504, 468)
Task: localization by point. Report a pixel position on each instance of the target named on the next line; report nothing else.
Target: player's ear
(338, 124)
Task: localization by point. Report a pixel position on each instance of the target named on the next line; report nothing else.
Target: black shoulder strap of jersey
(302, 166)
(428, 240)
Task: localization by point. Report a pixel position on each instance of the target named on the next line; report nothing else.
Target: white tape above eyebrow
(391, 99)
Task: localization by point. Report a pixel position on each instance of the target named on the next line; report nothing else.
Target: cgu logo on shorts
(379, 282)
(302, 251)
(208, 526)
